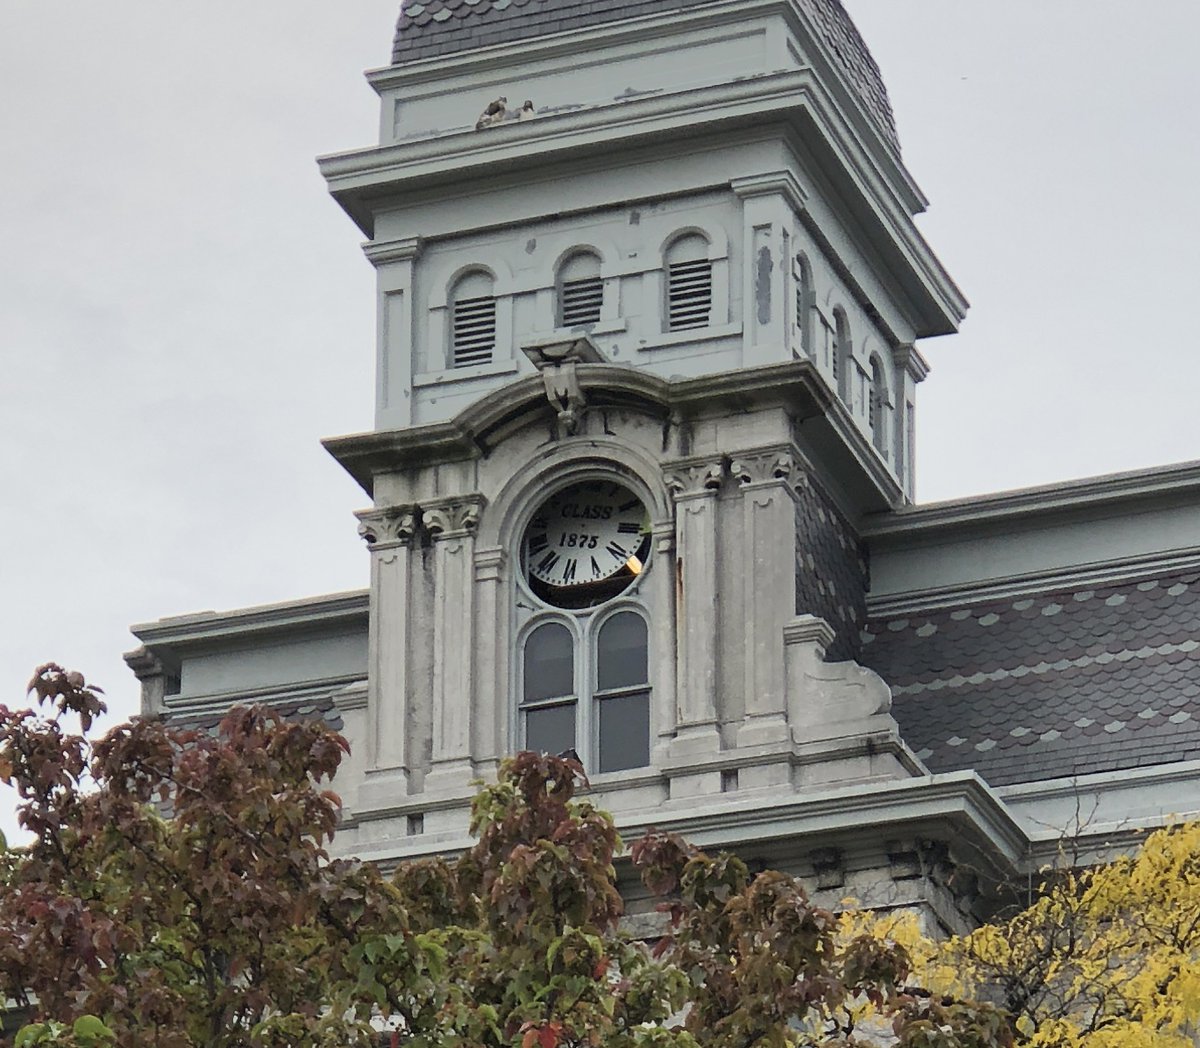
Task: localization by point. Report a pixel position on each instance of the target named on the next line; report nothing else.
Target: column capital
(688, 478)
(777, 462)
(387, 527)
(452, 518)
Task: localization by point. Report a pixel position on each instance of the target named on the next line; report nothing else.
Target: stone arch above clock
(741, 515)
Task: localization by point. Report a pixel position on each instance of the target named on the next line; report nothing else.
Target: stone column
(451, 523)
(693, 484)
(767, 547)
(388, 533)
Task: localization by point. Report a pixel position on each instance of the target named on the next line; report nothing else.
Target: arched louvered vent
(805, 298)
(473, 320)
(580, 290)
(689, 284)
(842, 350)
(876, 404)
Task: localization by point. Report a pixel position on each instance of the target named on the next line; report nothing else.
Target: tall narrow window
(548, 689)
(876, 405)
(622, 696)
(473, 321)
(580, 290)
(689, 284)
(805, 299)
(842, 355)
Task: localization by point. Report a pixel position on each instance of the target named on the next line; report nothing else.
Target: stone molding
(384, 252)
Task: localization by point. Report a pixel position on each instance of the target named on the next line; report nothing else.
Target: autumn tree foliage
(1097, 957)
(178, 894)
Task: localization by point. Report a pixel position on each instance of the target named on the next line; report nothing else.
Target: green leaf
(89, 1028)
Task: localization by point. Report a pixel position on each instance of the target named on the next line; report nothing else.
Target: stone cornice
(1177, 484)
(338, 610)
(647, 32)
(360, 179)
(1130, 570)
(794, 384)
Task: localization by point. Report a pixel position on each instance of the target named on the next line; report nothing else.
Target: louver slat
(689, 295)
(581, 300)
(474, 331)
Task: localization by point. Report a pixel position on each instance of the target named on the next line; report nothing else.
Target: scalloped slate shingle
(831, 571)
(1091, 679)
(318, 708)
(428, 28)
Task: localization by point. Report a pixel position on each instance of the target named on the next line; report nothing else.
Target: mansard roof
(1088, 679)
(432, 28)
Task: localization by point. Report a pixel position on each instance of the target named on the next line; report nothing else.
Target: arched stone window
(579, 290)
(583, 651)
(622, 692)
(805, 301)
(472, 320)
(548, 695)
(689, 283)
(877, 405)
(843, 354)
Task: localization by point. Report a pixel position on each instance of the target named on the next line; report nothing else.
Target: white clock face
(586, 534)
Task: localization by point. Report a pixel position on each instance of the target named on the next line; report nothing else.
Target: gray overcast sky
(183, 312)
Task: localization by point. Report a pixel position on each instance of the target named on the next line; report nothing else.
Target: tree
(1100, 956)
(177, 893)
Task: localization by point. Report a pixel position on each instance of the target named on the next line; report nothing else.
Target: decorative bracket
(556, 358)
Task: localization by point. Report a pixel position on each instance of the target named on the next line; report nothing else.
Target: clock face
(586, 543)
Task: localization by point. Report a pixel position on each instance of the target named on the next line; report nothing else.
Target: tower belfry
(641, 483)
(648, 293)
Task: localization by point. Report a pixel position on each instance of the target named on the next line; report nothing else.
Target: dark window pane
(549, 663)
(621, 652)
(624, 731)
(550, 729)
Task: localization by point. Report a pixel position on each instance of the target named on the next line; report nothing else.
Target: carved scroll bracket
(556, 360)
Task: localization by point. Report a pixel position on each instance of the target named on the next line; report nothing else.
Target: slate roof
(308, 708)
(428, 28)
(1091, 679)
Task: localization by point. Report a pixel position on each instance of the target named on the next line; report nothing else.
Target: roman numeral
(547, 562)
(537, 543)
(595, 568)
(539, 523)
(629, 528)
(568, 574)
(617, 551)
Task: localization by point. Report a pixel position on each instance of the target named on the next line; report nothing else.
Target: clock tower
(645, 363)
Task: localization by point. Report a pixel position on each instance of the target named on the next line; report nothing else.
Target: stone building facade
(641, 481)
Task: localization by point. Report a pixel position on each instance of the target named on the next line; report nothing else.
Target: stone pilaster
(451, 524)
(767, 477)
(693, 484)
(389, 533)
